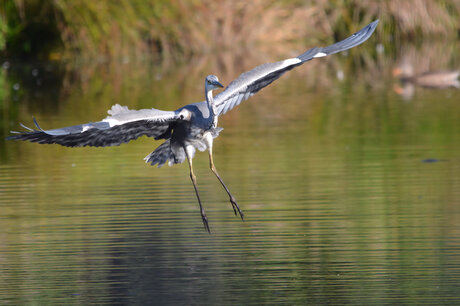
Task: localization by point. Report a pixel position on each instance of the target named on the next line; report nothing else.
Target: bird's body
(189, 128)
(186, 133)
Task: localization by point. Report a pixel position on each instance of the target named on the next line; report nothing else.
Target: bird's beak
(217, 83)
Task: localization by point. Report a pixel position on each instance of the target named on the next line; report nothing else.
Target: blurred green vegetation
(29, 29)
(168, 29)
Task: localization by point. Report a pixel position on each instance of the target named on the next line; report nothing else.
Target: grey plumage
(174, 152)
(120, 127)
(188, 128)
(249, 83)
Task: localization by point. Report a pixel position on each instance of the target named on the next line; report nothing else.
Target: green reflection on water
(350, 193)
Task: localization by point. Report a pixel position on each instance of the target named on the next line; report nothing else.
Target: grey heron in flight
(188, 128)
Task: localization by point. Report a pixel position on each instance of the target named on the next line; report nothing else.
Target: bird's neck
(211, 107)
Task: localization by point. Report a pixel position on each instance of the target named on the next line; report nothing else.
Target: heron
(189, 128)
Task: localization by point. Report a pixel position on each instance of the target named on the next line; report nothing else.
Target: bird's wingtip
(25, 127)
(374, 23)
(36, 124)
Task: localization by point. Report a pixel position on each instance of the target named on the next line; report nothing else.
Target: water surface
(350, 191)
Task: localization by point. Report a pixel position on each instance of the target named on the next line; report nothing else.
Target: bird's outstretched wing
(121, 126)
(250, 82)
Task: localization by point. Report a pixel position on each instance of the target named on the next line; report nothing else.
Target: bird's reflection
(410, 77)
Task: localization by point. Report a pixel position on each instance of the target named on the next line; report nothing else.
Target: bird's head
(212, 82)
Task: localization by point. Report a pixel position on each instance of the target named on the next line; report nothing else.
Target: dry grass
(177, 28)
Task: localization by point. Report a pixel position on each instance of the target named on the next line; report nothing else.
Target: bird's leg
(193, 178)
(235, 206)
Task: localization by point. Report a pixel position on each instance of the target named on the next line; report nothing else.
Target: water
(350, 193)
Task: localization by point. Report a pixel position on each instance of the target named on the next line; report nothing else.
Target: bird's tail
(174, 152)
(163, 153)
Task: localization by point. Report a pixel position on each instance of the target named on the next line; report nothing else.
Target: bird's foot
(236, 208)
(205, 222)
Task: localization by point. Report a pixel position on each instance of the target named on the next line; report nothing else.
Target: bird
(189, 128)
(432, 79)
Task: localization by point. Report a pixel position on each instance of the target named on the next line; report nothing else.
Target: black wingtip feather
(36, 124)
(12, 137)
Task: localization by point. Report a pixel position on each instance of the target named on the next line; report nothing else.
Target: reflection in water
(422, 68)
(341, 206)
